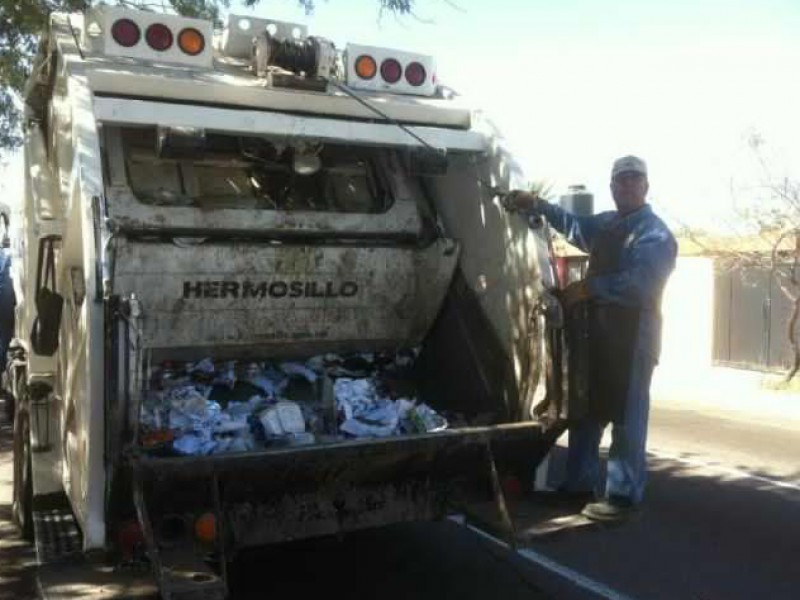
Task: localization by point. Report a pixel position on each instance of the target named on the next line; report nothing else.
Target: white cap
(628, 164)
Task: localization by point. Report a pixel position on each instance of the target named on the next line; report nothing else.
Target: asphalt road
(721, 518)
(441, 560)
(721, 521)
(758, 446)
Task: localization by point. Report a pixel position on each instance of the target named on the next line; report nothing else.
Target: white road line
(578, 579)
(738, 473)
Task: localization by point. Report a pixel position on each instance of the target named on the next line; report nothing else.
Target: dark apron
(613, 331)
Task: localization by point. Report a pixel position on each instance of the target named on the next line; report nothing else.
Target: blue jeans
(627, 457)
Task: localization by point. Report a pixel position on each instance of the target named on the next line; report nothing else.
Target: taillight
(158, 37)
(205, 528)
(415, 74)
(391, 71)
(191, 41)
(126, 33)
(366, 67)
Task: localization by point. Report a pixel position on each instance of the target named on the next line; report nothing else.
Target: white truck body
(232, 280)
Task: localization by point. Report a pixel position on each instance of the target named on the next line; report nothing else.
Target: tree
(776, 215)
(764, 233)
(22, 21)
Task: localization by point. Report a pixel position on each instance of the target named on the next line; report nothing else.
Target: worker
(631, 255)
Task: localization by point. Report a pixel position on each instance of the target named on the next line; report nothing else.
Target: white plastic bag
(283, 418)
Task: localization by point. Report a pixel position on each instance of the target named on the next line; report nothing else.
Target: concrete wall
(688, 310)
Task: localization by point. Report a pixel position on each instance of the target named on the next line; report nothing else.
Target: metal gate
(751, 314)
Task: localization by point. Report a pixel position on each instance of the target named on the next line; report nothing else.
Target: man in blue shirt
(631, 255)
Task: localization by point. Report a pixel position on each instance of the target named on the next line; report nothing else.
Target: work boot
(613, 508)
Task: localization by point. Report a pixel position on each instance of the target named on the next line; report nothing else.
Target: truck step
(55, 530)
(64, 572)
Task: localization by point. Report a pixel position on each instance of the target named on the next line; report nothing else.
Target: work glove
(523, 201)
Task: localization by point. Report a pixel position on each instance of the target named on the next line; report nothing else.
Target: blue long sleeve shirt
(648, 257)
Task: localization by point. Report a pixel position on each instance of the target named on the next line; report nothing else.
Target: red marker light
(158, 37)
(126, 33)
(391, 71)
(415, 74)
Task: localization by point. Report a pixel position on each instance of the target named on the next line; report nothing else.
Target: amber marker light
(366, 67)
(191, 41)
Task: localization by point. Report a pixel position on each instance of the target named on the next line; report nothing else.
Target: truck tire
(22, 507)
(8, 404)
(7, 397)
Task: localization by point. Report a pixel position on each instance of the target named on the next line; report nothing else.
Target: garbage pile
(211, 408)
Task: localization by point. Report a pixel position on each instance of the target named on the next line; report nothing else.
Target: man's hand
(522, 201)
(574, 293)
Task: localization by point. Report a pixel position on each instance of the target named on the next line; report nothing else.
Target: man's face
(629, 190)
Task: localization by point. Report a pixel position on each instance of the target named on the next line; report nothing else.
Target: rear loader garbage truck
(266, 292)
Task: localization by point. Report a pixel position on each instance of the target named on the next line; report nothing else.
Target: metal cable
(383, 115)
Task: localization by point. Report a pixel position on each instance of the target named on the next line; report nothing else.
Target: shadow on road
(425, 561)
(17, 557)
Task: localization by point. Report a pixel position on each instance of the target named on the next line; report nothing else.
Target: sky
(573, 84)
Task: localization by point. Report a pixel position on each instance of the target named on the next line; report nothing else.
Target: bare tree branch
(762, 232)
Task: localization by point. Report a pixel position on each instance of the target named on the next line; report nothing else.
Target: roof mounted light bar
(122, 32)
(384, 70)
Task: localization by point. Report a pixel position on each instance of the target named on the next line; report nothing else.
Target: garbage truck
(266, 292)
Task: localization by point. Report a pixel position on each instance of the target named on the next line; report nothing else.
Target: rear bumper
(293, 493)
